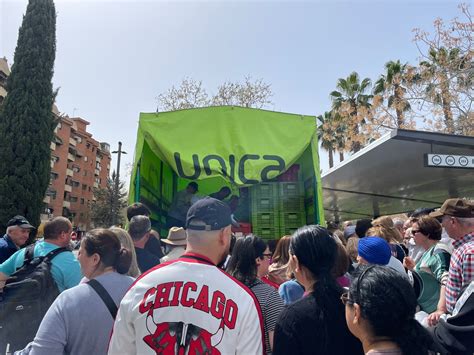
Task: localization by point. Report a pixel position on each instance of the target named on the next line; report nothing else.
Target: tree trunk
(331, 158)
(398, 109)
(446, 103)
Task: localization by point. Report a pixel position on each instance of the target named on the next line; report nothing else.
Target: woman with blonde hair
(278, 270)
(384, 228)
(127, 243)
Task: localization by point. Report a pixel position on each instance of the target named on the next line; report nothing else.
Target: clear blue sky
(114, 57)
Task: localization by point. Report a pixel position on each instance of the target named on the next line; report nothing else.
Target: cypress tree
(26, 121)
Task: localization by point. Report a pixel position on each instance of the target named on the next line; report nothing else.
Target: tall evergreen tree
(26, 120)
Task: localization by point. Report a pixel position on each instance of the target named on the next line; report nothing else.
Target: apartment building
(79, 164)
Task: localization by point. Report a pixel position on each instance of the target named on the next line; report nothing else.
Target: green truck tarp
(220, 146)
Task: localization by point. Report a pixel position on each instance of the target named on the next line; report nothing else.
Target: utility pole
(119, 153)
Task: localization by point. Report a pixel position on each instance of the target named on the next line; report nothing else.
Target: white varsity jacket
(188, 306)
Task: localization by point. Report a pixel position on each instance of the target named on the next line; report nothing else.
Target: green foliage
(108, 205)
(393, 84)
(351, 102)
(26, 121)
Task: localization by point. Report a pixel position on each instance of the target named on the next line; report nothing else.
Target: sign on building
(449, 161)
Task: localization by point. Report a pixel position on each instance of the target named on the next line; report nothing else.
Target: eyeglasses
(345, 299)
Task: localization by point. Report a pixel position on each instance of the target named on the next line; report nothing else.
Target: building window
(76, 169)
(85, 159)
(73, 199)
(78, 139)
(59, 125)
(53, 195)
(82, 201)
(88, 145)
(54, 176)
(84, 187)
(75, 184)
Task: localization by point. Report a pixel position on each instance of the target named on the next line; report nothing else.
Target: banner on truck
(244, 146)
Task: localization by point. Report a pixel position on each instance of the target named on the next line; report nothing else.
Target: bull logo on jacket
(182, 339)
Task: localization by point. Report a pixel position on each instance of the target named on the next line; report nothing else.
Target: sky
(114, 57)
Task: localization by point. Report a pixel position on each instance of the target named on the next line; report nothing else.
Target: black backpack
(26, 296)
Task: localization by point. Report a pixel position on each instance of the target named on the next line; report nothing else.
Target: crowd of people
(382, 286)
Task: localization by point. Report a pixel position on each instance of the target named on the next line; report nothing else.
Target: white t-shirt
(190, 305)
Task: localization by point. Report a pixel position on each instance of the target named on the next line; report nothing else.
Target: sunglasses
(345, 296)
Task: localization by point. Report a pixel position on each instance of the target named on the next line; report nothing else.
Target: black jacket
(456, 334)
(316, 324)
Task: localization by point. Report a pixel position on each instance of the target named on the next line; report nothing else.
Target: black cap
(19, 221)
(214, 213)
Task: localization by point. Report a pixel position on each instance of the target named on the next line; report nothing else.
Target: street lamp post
(119, 153)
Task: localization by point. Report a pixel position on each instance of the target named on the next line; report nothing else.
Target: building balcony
(52, 164)
(72, 142)
(67, 204)
(96, 185)
(67, 188)
(97, 172)
(71, 157)
(47, 199)
(69, 172)
(52, 146)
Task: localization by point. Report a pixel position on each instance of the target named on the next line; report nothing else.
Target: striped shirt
(271, 305)
(461, 269)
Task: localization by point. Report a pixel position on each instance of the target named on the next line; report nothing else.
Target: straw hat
(176, 236)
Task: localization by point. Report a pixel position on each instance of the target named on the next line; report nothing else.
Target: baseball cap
(375, 250)
(455, 207)
(19, 221)
(214, 213)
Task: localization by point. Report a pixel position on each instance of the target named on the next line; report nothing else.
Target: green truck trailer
(269, 159)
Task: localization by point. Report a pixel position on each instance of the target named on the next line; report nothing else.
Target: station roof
(392, 176)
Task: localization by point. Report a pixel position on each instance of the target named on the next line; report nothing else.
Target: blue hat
(375, 250)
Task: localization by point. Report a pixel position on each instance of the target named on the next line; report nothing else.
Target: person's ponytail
(413, 339)
(123, 261)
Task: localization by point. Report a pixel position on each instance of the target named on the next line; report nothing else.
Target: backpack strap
(105, 296)
(50, 256)
(29, 253)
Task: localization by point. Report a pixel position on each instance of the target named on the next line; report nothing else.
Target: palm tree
(392, 81)
(326, 135)
(437, 70)
(353, 92)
